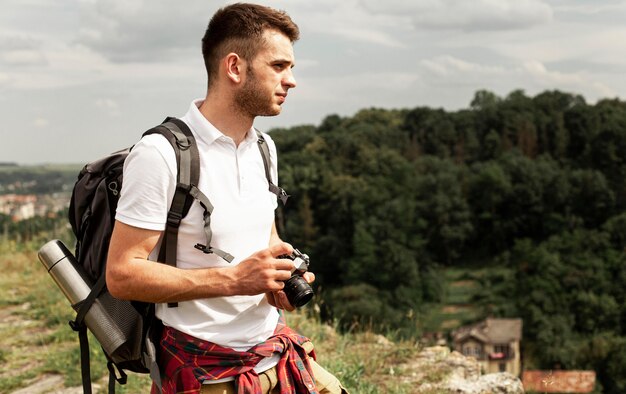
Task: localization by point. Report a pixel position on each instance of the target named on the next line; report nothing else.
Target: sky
(82, 78)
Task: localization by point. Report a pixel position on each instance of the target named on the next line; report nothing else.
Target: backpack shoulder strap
(188, 163)
(187, 174)
(265, 154)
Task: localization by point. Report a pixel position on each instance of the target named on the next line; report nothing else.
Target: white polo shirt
(233, 178)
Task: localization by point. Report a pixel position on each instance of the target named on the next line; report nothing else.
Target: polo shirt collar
(205, 131)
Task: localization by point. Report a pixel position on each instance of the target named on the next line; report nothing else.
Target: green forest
(525, 196)
(531, 191)
(37, 179)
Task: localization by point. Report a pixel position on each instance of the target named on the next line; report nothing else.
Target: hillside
(39, 352)
(511, 208)
(420, 220)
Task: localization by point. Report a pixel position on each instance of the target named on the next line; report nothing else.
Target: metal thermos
(70, 278)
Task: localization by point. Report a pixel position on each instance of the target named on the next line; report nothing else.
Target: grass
(457, 307)
(35, 338)
(364, 362)
(36, 341)
(20, 331)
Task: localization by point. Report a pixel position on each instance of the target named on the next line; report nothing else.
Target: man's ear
(234, 67)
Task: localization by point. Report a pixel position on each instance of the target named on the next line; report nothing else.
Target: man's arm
(130, 275)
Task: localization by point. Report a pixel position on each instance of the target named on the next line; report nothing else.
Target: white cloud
(531, 75)
(64, 66)
(475, 15)
(595, 45)
(41, 123)
(16, 41)
(345, 20)
(445, 66)
(20, 50)
(109, 106)
(143, 31)
(368, 35)
(576, 82)
(75, 65)
(358, 90)
(304, 64)
(588, 8)
(98, 58)
(23, 57)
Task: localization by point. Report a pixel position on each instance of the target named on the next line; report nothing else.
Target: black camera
(298, 291)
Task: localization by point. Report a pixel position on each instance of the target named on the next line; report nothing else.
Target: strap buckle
(280, 193)
(75, 326)
(209, 250)
(203, 248)
(174, 219)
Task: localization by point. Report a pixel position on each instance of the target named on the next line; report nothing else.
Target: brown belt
(269, 381)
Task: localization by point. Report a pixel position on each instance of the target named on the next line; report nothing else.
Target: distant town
(35, 191)
(26, 206)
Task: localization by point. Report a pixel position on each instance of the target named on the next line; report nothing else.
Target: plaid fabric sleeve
(186, 362)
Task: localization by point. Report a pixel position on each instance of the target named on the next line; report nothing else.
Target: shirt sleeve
(148, 184)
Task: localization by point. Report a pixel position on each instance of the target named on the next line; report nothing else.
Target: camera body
(297, 289)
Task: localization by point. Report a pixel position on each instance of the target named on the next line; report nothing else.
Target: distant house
(495, 343)
(18, 206)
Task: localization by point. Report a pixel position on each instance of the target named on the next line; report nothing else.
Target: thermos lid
(52, 252)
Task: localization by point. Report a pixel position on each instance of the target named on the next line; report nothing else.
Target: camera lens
(298, 291)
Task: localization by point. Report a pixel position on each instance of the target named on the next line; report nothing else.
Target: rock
(493, 383)
(384, 342)
(437, 369)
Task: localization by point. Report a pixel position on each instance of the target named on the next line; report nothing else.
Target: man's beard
(252, 101)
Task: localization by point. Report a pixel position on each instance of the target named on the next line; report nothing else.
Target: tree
(443, 206)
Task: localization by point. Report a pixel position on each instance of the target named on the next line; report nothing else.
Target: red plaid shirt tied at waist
(187, 361)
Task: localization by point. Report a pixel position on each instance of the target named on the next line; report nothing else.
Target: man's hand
(263, 272)
(279, 298)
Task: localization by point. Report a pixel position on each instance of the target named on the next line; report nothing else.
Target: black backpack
(92, 216)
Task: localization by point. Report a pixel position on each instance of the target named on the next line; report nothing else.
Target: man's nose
(290, 79)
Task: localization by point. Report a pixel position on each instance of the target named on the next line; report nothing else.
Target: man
(226, 333)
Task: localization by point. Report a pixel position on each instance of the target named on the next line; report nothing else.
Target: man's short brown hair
(239, 28)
